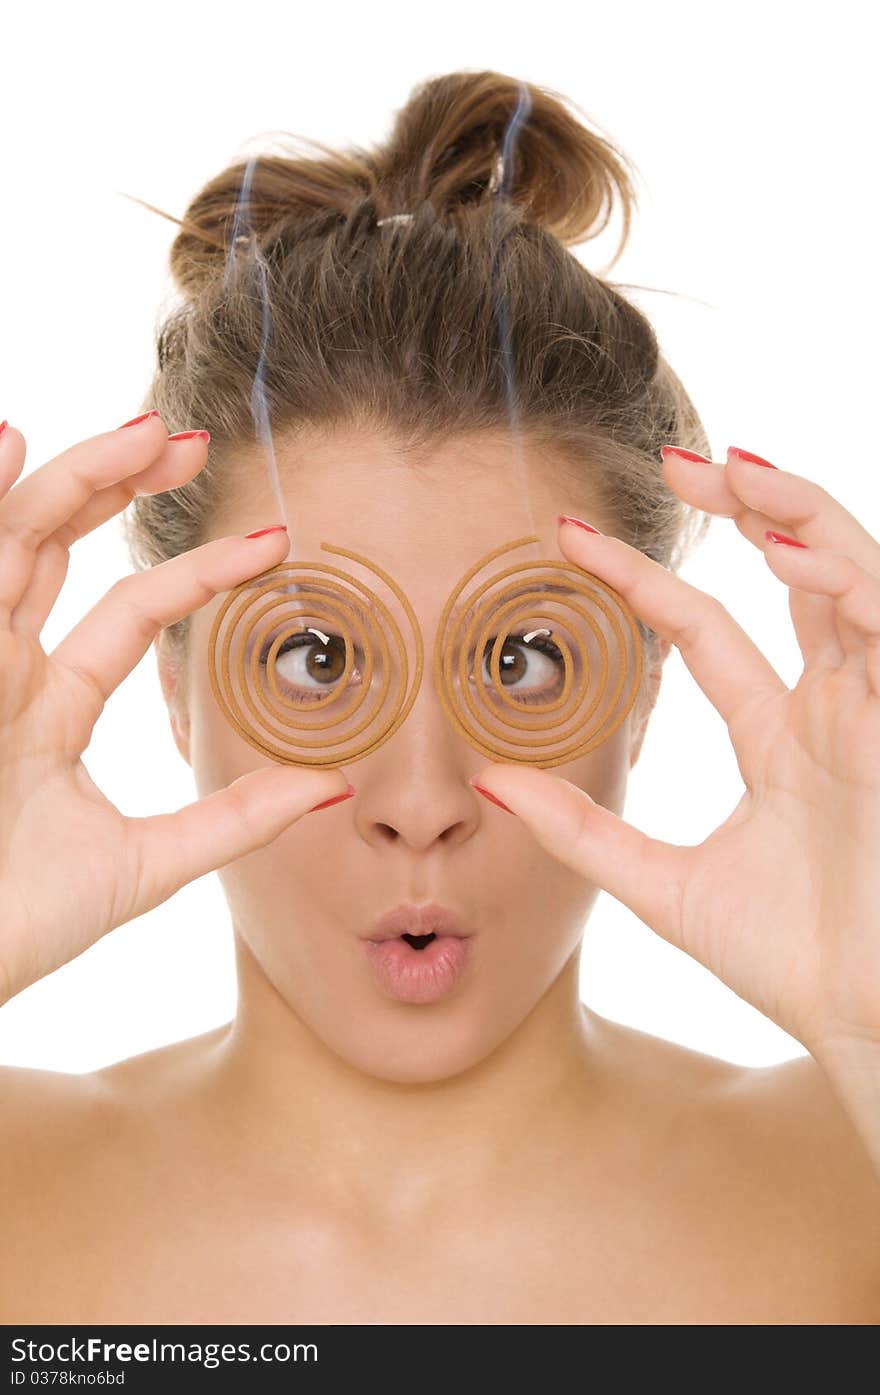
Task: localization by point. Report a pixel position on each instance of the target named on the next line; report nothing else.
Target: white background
(754, 128)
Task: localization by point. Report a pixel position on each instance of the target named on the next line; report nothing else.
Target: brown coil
(597, 692)
(248, 691)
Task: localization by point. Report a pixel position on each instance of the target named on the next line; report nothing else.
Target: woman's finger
(643, 873)
(820, 519)
(812, 615)
(816, 518)
(783, 497)
(47, 578)
(177, 465)
(795, 505)
(173, 849)
(727, 664)
(12, 454)
(116, 633)
(855, 595)
(708, 486)
(49, 497)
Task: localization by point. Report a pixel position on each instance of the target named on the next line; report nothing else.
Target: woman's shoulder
(90, 1163)
(28, 1088)
(788, 1120)
(52, 1116)
(779, 1120)
(36, 1103)
(767, 1159)
(813, 1181)
(758, 1171)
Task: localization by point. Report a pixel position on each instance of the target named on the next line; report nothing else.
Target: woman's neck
(293, 1103)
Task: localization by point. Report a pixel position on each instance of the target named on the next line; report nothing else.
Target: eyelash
(546, 646)
(540, 642)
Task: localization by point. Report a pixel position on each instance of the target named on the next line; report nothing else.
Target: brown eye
(512, 663)
(304, 661)
(324, 662)
(538, 661)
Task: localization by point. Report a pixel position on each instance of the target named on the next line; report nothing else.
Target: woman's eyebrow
(459, 614)
(522, 589)
(328, 593)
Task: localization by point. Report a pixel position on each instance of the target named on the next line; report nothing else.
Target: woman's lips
(425, 919)
(419, 975)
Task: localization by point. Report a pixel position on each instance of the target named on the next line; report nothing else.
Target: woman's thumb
(643, 873)
(227, 824)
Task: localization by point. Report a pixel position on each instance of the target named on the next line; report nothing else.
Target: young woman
(441, 1135)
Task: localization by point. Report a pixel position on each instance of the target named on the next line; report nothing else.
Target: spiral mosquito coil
(350, 720)
(599, 681)
(595, 681)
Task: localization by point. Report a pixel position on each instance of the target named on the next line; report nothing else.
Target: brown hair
(395, 327)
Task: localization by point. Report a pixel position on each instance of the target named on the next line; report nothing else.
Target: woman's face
(415, 831)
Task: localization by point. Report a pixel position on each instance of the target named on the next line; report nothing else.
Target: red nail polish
(337, 799)
(276, 528)
(494, 798)
(686, 454)
(579, 523)
(747, 455)
(135, 420)
(3, 426)
(188, 435)
(781, 538)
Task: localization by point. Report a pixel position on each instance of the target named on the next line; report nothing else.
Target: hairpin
(495, 181)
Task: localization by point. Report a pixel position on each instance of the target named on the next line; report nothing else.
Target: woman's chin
(413, 1045)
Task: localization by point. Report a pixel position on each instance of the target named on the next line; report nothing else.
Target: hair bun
(269, 194)
(446, 143)
(444, 149)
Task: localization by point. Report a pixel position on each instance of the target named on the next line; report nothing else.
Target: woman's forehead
(435, 507)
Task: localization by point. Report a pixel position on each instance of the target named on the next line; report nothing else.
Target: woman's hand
(782, 901)
(72, 866)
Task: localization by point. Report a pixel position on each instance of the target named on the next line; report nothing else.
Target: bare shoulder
(803, 1190)
(813, 1180)
(53, 1124)
(36, 1104)
(785, 1117)
(84, 1157)
(31, 1095)
(769, 1173)
(796, 1125)
(45, 1111)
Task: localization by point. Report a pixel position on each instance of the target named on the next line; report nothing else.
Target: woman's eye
(533, 667)
(310, 661)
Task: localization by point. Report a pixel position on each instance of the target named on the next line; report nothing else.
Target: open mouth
(419, 941)
(419, 968)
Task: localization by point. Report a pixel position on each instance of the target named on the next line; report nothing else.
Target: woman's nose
(415, 787)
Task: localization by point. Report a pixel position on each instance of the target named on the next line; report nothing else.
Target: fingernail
(3, 426)
(747, 455)
(781, 538)
(188, 435)
(134, 421)
(579, 523)
(337, 799)
(488, 795)
(686, 454)
(276, 528)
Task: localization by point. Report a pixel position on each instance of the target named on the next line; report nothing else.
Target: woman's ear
(655, 672)
(174, 692)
